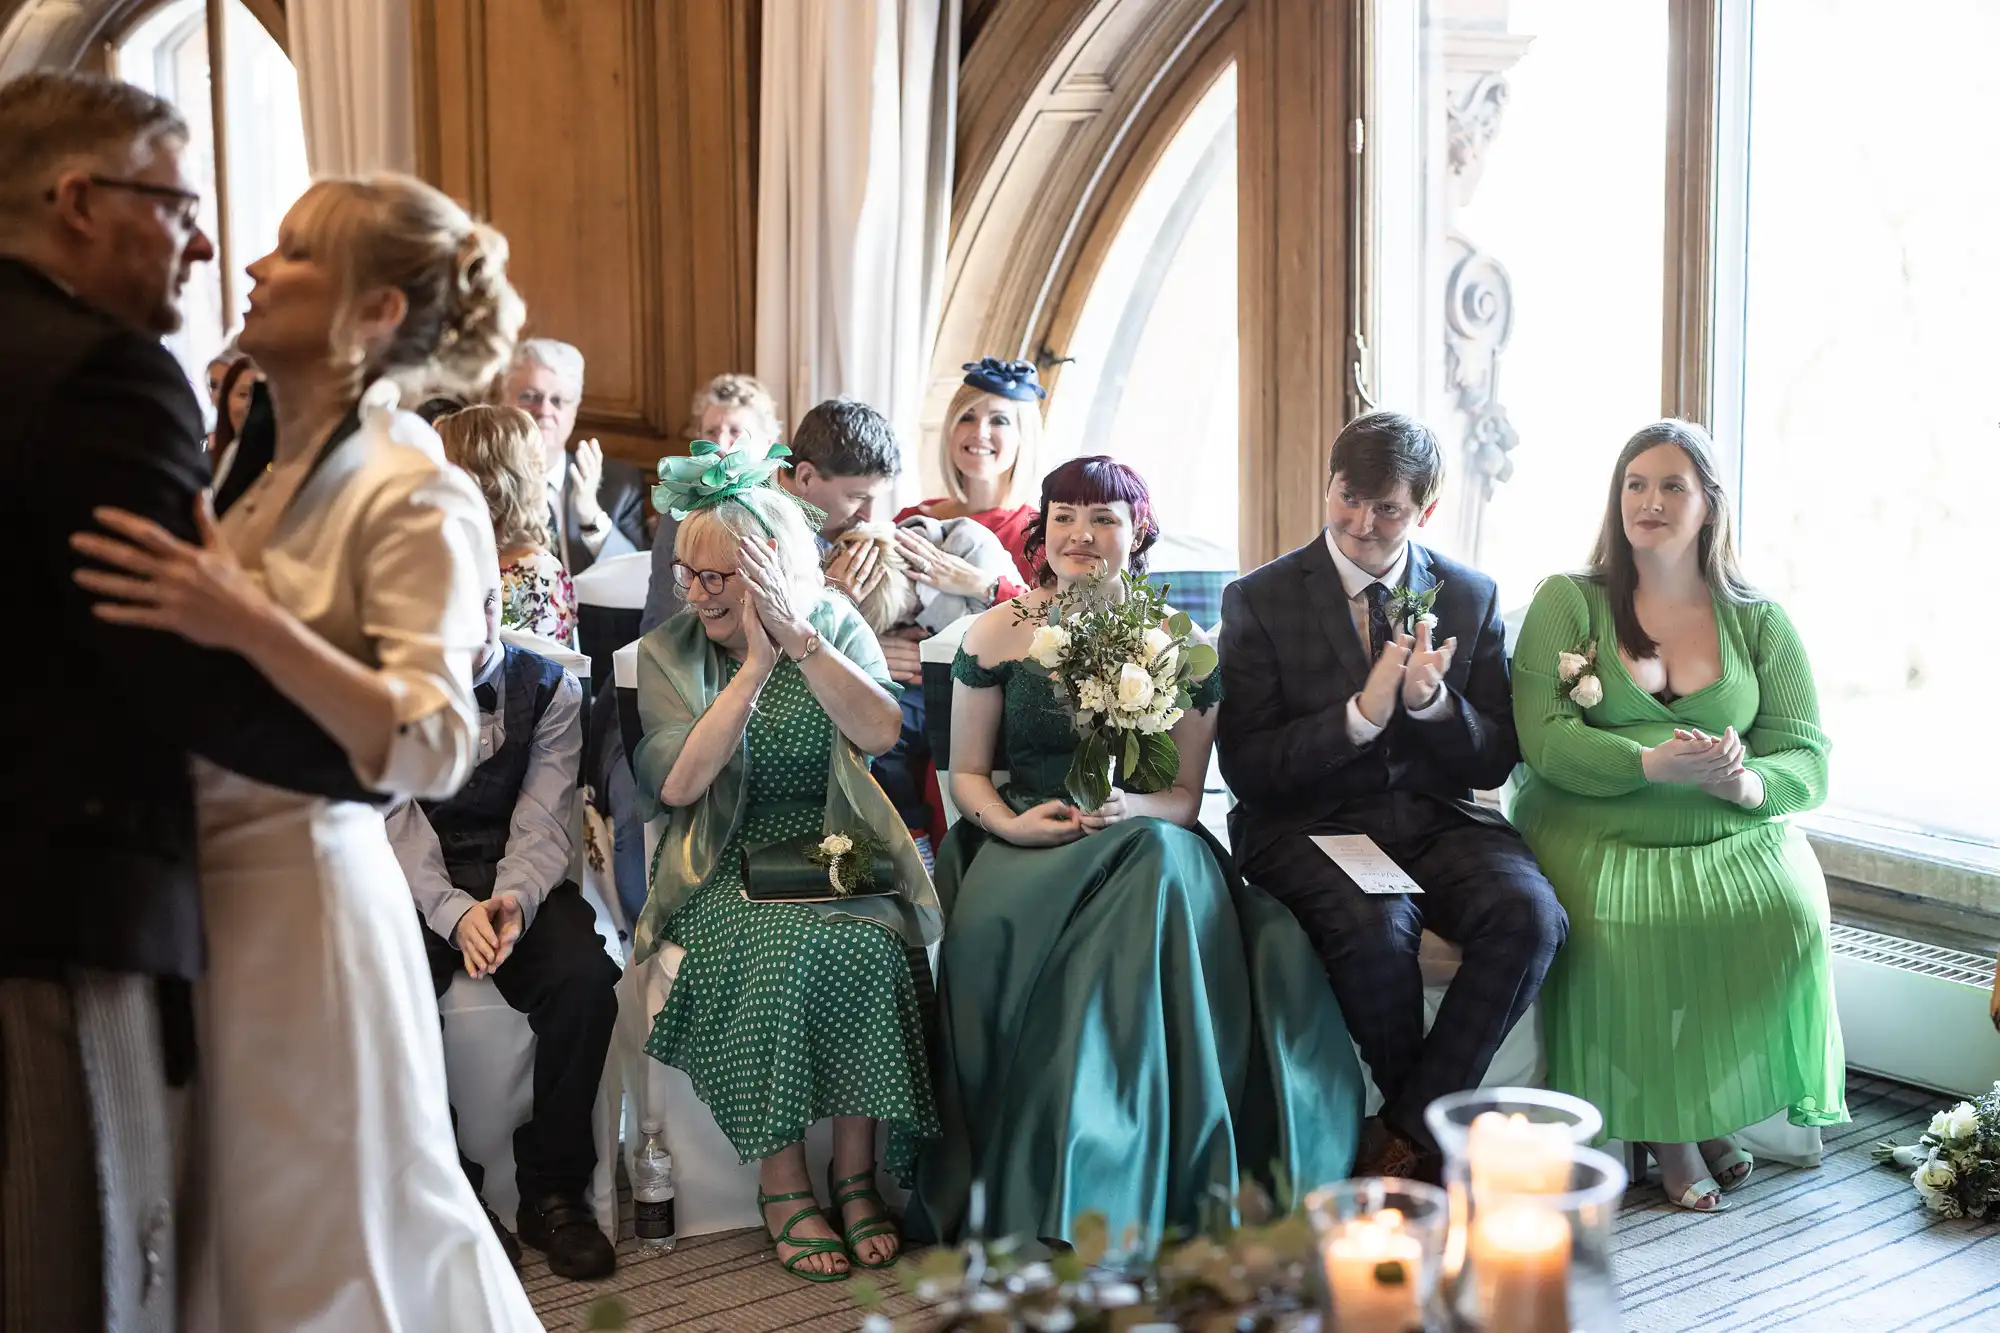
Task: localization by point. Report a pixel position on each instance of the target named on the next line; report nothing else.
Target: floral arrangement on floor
(1124, 667)
(848, 859)
(1576, 673)
(1245, 1278)
(1955, 1165)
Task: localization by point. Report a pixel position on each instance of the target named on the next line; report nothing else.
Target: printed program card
(1365, 863)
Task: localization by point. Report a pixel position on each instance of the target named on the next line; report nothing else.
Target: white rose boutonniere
(1408, 609)
(836, 844)
(1576, 676)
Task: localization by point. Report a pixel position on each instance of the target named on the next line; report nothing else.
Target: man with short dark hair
(844, 453)
(1365, 692)
(98, 235)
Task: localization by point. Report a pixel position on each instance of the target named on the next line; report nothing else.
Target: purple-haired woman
(1127, 1027)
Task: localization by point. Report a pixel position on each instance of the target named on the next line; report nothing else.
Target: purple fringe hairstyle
(1095, 480)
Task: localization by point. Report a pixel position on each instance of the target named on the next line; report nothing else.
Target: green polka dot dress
(779, 1016)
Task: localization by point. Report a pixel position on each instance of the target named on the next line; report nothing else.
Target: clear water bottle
(653, 1191)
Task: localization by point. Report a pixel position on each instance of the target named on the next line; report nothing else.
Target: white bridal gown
(334, 1200)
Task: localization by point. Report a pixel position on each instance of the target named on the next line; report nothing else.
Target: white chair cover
(562, 654)
(620, 582)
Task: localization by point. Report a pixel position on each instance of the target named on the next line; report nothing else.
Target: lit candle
(1371, 1273)
(1521, 1255)
(1511, 1154)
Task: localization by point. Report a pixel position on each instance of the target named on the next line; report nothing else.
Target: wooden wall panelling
(613, 142)
(1293, 303)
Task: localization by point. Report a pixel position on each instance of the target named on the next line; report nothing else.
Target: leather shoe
(564, 1229)
(507, 1241)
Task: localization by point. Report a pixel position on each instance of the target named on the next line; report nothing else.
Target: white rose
(1589, 692)
(1135, 687)
(836, 844)
(1158, 645)
(1050, 645)
(1090, 695)
(1960, 1122)
(1151, 723)
(1570, 665)
(1934, 1177)
(1428, 619)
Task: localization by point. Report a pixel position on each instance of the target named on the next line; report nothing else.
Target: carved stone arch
(66, 34)
(1062, 111)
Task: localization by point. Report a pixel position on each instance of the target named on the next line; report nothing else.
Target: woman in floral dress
(501, 448)
(759, 701)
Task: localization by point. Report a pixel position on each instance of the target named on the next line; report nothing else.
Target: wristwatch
(812, 646)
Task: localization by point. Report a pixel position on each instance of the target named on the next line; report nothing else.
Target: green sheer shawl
(680, 673)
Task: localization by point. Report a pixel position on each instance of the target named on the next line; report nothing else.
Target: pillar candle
(1511, 1154)
(1372, 1267)
(1520, 1255)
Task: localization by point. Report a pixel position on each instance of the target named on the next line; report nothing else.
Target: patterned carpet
(1842, 1248)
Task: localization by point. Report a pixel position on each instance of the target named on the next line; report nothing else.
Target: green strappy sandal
(878, 1224)
(807, 1246)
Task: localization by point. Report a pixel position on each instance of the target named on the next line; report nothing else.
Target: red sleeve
(1011, 527)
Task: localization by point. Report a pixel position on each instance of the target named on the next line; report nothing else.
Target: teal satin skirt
(1127, 1029)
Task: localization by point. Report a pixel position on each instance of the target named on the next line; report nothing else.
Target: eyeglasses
(190, 202)
(712, 581)
(534, 398)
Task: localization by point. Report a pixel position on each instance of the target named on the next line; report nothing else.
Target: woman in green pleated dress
(1127, 1028)
(1669, 726)
(759, 702)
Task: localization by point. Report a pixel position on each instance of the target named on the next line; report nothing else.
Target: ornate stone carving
(1479, 320)
(1472, 120)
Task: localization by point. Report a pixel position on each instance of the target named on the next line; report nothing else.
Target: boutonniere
(849, 860)
(1408, 609)
(1576, 676)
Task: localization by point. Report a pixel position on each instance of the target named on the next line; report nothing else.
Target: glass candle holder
(1380, 1242)
(1513, 1140)
(1540, 1262)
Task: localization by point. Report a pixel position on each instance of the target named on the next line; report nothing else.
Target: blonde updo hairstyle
(734, 390)
(761, 514)
(501, 449)
(389, 230)
(1026, 473)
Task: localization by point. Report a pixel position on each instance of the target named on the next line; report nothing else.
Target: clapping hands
(1411, 667)
(1713, 763)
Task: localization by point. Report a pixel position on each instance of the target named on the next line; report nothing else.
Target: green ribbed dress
(1695, 994)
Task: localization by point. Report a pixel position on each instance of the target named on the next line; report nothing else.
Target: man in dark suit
(98, 234)
(1347, 710)
(596, 504)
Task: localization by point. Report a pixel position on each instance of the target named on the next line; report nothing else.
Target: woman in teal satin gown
(1128, 1029)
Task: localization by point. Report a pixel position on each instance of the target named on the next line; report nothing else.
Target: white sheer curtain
(353, 59)
(854, 197)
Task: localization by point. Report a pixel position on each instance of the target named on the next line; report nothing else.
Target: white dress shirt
(1355, 582)
(538, 840)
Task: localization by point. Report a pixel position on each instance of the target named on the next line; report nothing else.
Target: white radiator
(1916, 1013)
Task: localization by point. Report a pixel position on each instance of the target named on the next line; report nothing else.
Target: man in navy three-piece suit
(1348, 709)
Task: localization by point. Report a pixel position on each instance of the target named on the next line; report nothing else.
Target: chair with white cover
(610, 596)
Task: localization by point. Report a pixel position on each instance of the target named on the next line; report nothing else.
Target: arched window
(252, 132)
(1153, 380)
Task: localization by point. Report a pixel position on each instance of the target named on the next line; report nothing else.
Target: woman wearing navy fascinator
(989, 453)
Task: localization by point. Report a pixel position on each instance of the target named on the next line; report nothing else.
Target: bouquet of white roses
(1124, 669)
(1955, 1165)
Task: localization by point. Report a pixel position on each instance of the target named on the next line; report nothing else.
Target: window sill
(1943, 890)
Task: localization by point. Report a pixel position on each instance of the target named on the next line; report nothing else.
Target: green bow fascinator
(708, 476)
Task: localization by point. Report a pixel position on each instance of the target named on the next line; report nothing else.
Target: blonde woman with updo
(349, 566)
(500, 448)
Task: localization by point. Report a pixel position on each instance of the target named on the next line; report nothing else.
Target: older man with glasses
(597, 505)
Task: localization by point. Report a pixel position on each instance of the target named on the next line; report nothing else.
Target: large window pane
(1154, 378)
(1870, 449)
(1519, 264)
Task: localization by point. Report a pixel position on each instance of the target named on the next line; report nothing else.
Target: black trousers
(561, 978)
(1481, 890)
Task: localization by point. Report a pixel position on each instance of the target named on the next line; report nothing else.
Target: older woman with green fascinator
(760, 702)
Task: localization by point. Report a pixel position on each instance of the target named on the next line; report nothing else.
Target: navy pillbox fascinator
(1009, 379)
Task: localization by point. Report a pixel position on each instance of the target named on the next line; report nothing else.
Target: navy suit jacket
(1291, 660)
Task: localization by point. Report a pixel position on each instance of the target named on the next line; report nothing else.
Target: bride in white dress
(351, 570)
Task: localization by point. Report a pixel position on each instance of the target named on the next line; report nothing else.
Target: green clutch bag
(784, 872)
